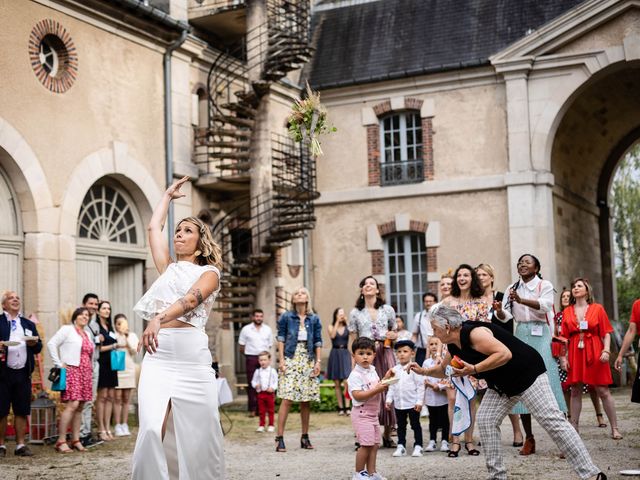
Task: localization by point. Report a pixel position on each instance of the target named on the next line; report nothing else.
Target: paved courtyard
(251, 455)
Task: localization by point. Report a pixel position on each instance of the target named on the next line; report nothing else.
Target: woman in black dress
(339, 359)
(108, 378)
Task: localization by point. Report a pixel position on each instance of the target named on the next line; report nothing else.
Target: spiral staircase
(254, 227)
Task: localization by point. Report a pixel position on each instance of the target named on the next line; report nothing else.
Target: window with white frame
(401, 152)
(406, 277)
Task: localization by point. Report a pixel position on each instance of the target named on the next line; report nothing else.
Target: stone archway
(599, 124)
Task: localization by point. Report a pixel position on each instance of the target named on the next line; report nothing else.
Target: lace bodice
(173, 284)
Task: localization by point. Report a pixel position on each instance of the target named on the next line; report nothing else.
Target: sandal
(77, 445)
(305, 442)
(453, 453)
(474, 452)
(615, 434)
(111, 437)
(280, 444)
(388, 443)
(103, 436)
(601, 423)
(62, 447)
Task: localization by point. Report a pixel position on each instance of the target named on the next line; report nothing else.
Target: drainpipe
(168, 130)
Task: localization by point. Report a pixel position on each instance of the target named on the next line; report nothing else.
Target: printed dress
(79, 379)
(297, 384)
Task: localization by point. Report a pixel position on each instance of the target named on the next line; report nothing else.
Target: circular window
(53, 56)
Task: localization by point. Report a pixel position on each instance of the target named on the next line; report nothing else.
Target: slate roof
(391, 39)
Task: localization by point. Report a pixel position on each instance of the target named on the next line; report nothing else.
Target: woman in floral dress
(299, 345)
(373, 319)
(70, 348)
(466, 297)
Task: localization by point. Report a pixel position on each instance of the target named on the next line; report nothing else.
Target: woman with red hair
(587, 326)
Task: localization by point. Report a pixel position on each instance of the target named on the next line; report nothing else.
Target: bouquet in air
(308, 120)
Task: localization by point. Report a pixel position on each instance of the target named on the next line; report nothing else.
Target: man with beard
(254, 339)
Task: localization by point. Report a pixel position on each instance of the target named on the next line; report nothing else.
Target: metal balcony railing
(400, 173)
(214, 4)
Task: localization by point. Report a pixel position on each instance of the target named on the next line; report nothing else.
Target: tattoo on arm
(196, 292)
(184, 304)
(163, 319)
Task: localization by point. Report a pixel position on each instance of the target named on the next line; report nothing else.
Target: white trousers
(179, 374)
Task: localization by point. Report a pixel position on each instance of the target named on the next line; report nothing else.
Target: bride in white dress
(180, 436)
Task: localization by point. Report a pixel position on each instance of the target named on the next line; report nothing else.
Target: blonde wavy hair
(306, 292)
(488, 268)
(208, 251)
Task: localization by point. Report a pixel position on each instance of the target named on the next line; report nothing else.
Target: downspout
(168, 130)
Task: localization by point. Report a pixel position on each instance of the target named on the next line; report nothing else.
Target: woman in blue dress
(339, 359)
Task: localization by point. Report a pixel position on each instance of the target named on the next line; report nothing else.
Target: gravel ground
(252, 455)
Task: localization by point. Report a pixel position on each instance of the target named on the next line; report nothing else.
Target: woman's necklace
(582, 324)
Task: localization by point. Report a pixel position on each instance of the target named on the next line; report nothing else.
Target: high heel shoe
(529, 446)
(388, 443)
(453, 453)
(473, 452)
(305, 442)
(62, 447)
(77, 445)
(280, 444)
(615, 434)
(600, 419)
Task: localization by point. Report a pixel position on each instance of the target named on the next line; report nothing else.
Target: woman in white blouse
(72, 349)
(529, 302)
(374, 319)
(177, 393)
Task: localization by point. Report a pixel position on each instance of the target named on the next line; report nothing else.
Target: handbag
(54, 374)
(60, 385)
(117, 360)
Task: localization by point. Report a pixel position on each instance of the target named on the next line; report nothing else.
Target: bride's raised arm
(157, 240)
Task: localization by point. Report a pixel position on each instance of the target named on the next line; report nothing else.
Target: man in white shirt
(422, 330)
(16, 365)
(90, 302)
(254, 339)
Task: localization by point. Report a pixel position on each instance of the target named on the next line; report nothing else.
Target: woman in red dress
(587, 326)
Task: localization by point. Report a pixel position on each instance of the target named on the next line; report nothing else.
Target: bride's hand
(174, 190)
(150, 336)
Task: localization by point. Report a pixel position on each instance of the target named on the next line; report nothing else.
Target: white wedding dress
(178, 374)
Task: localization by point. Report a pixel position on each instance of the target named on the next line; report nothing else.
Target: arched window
(106, 215)
(11, 240)
(401, 152)
(406, 269)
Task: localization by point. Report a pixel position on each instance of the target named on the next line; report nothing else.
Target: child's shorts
(366, 425)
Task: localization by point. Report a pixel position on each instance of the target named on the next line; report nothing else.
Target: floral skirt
(383, 361)
(296, 383)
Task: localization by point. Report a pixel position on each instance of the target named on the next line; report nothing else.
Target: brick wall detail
(377, 262)
(387, 228)
(411, 103)
(373, 154)
(382, 108)
(416, 226)
(427, 147)
(432, 259)
(277, 258)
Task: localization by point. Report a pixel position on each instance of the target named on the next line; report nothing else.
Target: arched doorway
(600, 123)
(11, 237)
(110, 249)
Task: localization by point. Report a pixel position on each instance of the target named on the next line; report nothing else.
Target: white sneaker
(417, 451)
(360, 475)
(270, 429)
(118, 430)
(260, 429)
(400, 452)
(377, 476)
(125, 430)
(431, 446)
(444, 446)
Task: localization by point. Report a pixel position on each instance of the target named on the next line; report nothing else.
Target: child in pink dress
(364, 390)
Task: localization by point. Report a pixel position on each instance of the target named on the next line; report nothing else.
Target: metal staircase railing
(276, 47)
(256, 226)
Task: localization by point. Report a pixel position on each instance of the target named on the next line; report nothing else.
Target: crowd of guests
(372, 353)
(84, 349)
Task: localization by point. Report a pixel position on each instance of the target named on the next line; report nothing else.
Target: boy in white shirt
(265, 382)
(365, 388)
(407, 396)
(435, 398)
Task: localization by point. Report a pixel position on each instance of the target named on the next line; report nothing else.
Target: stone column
(529, 191)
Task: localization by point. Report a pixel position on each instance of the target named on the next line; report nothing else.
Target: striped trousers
(542, 405)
